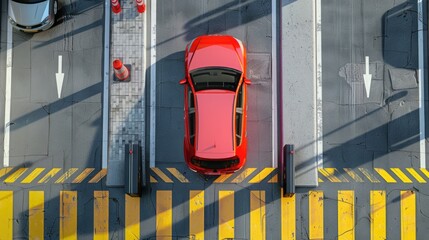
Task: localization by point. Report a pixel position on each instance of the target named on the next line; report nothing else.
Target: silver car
(32, 15)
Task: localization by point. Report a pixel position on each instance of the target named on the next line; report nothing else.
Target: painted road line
(15, 175)
(49, 175)
(318, 74)
(275, 69)
(425, 172)
(320, 180)
(226, 215)
(66, 175)
(106, 86)
(353, 175)
(222, 178)
(346, 215)
(7, 95)
(369, 175)
(421, 80)
(315, 213)
(257, 215)
(243, 175)
(378, 215)
(153, 180)
(401, 175)
(100, 175)
(288, 215)
(261, 175)
(164, 214)
(36, 214)
(68, 215)
(132, 217)
(385, 175)
(196, 214)
(416, 175)
(5, 171)
(152, 104)
(274, 179)
(162, 175)
(178, 175)
(6, 216)
(408, 215)
(101, 215)
(83, 175)
(331, 174)
(33, 175)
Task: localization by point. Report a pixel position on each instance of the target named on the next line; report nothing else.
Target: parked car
(215, 108)
(32, 15)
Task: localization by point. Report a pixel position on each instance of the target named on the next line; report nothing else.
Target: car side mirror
(183, 81)
(247, 81)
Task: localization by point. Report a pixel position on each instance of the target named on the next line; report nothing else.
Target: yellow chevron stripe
(66, 175)
(378, 215)
(346, 216)
(36, 214)
(6, 216)
(417, 176)
(33, 175)
(288, 215)
(408, 215)
(152, 179)
(262, 175)
(162, 175)
(49, 175)
(83, 175)
(15, 175)
(425, 172)
(274, 179)
(100, 175)
(385, 175)
(101, 215)
(319, 180)
(222, 178)
(369, 175)
(257, 215)
(243, 175)
(331, 174)
(401, 175)
(5, 171)
(353, 175)
(178, 175)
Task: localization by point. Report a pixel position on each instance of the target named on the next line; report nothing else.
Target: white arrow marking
(367, 77)
(60, 75)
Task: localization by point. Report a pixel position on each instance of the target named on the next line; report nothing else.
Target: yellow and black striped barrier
(227, 225)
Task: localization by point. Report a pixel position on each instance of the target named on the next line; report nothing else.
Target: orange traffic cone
(121, 72)
(141, 7)
(116, 6)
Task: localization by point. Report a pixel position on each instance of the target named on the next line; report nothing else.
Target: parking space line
(261, 175)
(15, 175)
(243, 175)
(385, 175)
(353, 175)
(83, 175)
(346, 216)
(36, 214)
(178, 175)
(416, 175)
(6, 216)
(288, 215)
(33, 175)
(378, 215)
(68, 215)
(101, 215)
(100, 175)
(226, 215)
(164, 214)
(257, 215)
(408, 215)
(7, 96)
(49, 175)
(315, 212)
(401, 175)
(152, 104)
(162, 175)
(132, 217)
(196, 214)
(66, 175)
(421, 80)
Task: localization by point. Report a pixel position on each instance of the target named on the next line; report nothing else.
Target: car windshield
(29, 1)
(215, 78)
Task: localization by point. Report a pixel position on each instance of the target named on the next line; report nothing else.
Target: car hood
(225, 52)
(215, 138)
(28, 14)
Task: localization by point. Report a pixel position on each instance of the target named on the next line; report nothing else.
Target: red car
(215, 105)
